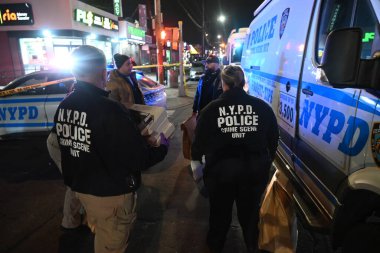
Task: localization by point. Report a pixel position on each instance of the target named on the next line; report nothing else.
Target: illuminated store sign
(136, 34)
(92, 19)
(117, 7)
(16, 14)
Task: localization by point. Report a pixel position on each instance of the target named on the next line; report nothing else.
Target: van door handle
(307, 91)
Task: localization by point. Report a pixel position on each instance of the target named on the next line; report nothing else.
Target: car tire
(364, 237)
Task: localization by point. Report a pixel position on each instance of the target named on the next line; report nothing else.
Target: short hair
(87, 61)
(233, 76)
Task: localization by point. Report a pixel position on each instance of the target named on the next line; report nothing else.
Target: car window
(30, 80)
(338, 14)
(61, 87)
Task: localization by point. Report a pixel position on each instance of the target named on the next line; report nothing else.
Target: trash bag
(278, 226)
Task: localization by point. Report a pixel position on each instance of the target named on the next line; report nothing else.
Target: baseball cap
(212, 59)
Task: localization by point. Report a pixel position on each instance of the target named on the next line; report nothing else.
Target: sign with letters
(92, 19)
(16, 14)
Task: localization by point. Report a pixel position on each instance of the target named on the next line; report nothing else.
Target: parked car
(196, 71)
(31, 112)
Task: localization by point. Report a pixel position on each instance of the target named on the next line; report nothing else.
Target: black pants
(222, 195)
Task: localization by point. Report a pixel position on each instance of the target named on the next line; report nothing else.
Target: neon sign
(92, 19)
(16, 14)
(136, 33)
(368, 36)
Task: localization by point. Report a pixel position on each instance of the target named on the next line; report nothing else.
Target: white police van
(314, 62)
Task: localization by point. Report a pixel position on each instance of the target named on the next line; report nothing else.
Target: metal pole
(158, 28)
(203, 28)
(181, 88)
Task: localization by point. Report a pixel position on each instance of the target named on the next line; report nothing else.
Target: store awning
(193, 50)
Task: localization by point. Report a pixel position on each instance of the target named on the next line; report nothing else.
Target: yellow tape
(155, 65)
(33, 86)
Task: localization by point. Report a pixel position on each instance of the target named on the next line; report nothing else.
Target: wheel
(363, 237)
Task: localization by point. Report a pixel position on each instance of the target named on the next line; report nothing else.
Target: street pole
(158, 27)
(203, 28)
(181, 88)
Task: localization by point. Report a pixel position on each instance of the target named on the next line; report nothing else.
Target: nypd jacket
(102, 150)
(209, 88)
(238, 128)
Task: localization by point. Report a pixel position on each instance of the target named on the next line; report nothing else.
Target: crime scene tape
(33, 86)
(155, 65)
(39, 85)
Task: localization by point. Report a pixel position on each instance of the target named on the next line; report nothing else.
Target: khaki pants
(111, 219)
(71, 210)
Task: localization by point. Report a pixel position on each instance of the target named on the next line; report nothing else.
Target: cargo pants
(111, 219)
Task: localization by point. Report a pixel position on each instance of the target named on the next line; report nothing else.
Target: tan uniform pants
(111, 219)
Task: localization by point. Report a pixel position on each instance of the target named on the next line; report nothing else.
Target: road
(172, 214)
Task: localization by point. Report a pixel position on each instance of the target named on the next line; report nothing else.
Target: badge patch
(284, 20)
(375, 142)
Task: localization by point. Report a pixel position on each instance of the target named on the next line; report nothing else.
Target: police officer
(102, 152)
(209, 86)
(238, 135)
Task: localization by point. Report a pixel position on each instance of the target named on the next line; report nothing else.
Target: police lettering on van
(316, 69)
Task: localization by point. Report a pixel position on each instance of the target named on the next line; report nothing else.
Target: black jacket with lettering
(102, 150)
(238, 134)
(209, 88)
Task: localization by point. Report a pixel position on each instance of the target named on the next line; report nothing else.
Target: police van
(316, 63)
(234, 47)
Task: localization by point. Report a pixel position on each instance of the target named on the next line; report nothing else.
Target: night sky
(239, 13)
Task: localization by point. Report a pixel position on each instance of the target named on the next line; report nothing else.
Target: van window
(338, 14)
(335, 14)
(365, 19)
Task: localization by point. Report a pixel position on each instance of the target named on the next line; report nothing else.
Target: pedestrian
(122, 82)
(209, 85)
(238, 134)
(102, 152)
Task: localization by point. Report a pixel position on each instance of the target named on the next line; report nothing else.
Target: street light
(219, 36)
(222, 18)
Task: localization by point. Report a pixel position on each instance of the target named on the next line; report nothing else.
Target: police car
(31, 112)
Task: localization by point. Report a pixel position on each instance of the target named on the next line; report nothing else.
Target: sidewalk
(173, 100)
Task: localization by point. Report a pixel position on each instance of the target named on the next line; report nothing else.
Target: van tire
(364, 237)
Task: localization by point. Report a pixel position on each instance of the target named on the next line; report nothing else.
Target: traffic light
(163, 35)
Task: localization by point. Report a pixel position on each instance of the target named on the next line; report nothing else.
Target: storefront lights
(46, 33)
(92, 36)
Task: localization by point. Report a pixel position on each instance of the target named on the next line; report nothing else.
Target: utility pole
(203, 28)
(158, 28)
(181, 88)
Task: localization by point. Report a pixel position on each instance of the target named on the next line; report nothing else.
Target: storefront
(131, 39)
(34, 37)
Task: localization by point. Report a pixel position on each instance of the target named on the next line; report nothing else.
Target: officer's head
(123, 63)
(232, 76)
(89, 65)
(212, 62)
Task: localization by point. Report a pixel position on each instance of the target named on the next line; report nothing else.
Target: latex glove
(163, 140)
(197, 169)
